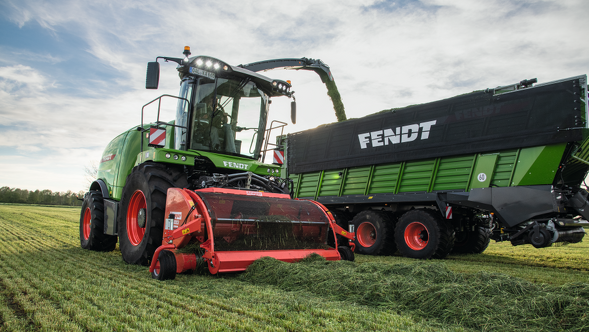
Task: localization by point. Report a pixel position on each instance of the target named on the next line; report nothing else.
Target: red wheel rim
(134, 232)
(366, 234)
(86, 224)
(416, 236)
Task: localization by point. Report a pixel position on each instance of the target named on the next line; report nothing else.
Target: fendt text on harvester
(195, 189)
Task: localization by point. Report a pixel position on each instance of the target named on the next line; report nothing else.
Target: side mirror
(153, 75)
(293, 112)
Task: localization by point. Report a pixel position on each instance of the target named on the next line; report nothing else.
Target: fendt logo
(402, 134)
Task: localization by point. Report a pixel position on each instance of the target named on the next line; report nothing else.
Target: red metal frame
(194, 222)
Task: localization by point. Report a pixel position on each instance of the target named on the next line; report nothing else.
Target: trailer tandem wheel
(92, 224)
(472, 241)
(374, 233)
(143, 204)
(423, 234)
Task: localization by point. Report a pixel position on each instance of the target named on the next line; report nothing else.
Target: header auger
(200, 180)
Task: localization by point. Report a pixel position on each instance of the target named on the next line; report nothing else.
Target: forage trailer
(504, 163)
(198, 181)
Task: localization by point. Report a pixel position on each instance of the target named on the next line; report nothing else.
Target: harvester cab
(196, 188)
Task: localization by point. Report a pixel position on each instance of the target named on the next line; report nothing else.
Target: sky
(72, 73)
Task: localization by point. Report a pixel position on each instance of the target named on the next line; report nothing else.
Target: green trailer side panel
(356, 181)
(308, 184)
(504, 168)
(453, 173)
(528, 166)
(416, 176)
(331, 183)
(538, 165)
(483, 170)
(384, 178)
(296, 179)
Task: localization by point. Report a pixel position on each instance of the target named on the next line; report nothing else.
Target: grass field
(48, 283)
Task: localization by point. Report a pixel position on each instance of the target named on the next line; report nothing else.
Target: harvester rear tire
(92, 235)
(167, 266)
(374, 233)
(424, 234)
(472, 242)
(140, 232)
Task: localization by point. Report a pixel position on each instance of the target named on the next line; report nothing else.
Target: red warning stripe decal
(157, 136)
(278, 157)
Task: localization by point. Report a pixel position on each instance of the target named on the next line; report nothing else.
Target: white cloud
(382, 55)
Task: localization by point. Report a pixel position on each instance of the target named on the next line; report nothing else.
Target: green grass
(48, 283)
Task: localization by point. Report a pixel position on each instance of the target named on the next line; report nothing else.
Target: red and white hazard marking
(157, 136)
(278, 157)
(448, 212)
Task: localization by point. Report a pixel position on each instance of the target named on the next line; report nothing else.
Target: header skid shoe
(233, 228)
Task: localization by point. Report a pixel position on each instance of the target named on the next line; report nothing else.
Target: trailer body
(506, 162)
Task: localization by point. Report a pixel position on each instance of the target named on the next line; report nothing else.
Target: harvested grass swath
(485, 301)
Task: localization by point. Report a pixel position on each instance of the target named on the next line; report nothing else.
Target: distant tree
(17, 195)
(90, 173)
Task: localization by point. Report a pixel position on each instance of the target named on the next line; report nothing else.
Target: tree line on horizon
(46, 197)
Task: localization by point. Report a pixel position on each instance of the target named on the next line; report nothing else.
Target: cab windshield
(228, 116)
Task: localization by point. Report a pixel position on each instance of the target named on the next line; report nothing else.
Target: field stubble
(47, 283)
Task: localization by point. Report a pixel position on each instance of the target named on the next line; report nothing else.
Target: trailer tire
(166, 267)
(472, 242)
(143, 205)
(374, 233)
(423, 234)
(92, 235)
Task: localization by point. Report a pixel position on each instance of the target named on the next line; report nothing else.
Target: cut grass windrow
(50, 284)
(486, 301)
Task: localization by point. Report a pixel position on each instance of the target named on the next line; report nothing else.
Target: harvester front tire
(374, 233)
(472, 242)
(143, 205)
(166, 267)
(423, 234)
(92, 235)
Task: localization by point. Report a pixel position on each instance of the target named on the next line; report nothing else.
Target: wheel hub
(366, 234)
(141, 218)
(416, 236)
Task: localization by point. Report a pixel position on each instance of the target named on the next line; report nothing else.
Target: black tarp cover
(472, 123)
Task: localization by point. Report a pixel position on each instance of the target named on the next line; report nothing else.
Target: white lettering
(426, 126)
(364, 140)
(410, 133)
(389, 135)
(376, 138)
(407, 133)
(235, 165)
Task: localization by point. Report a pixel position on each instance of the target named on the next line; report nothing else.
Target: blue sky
(72, 73)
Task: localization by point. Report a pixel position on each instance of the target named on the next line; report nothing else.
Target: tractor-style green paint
(522, 167)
